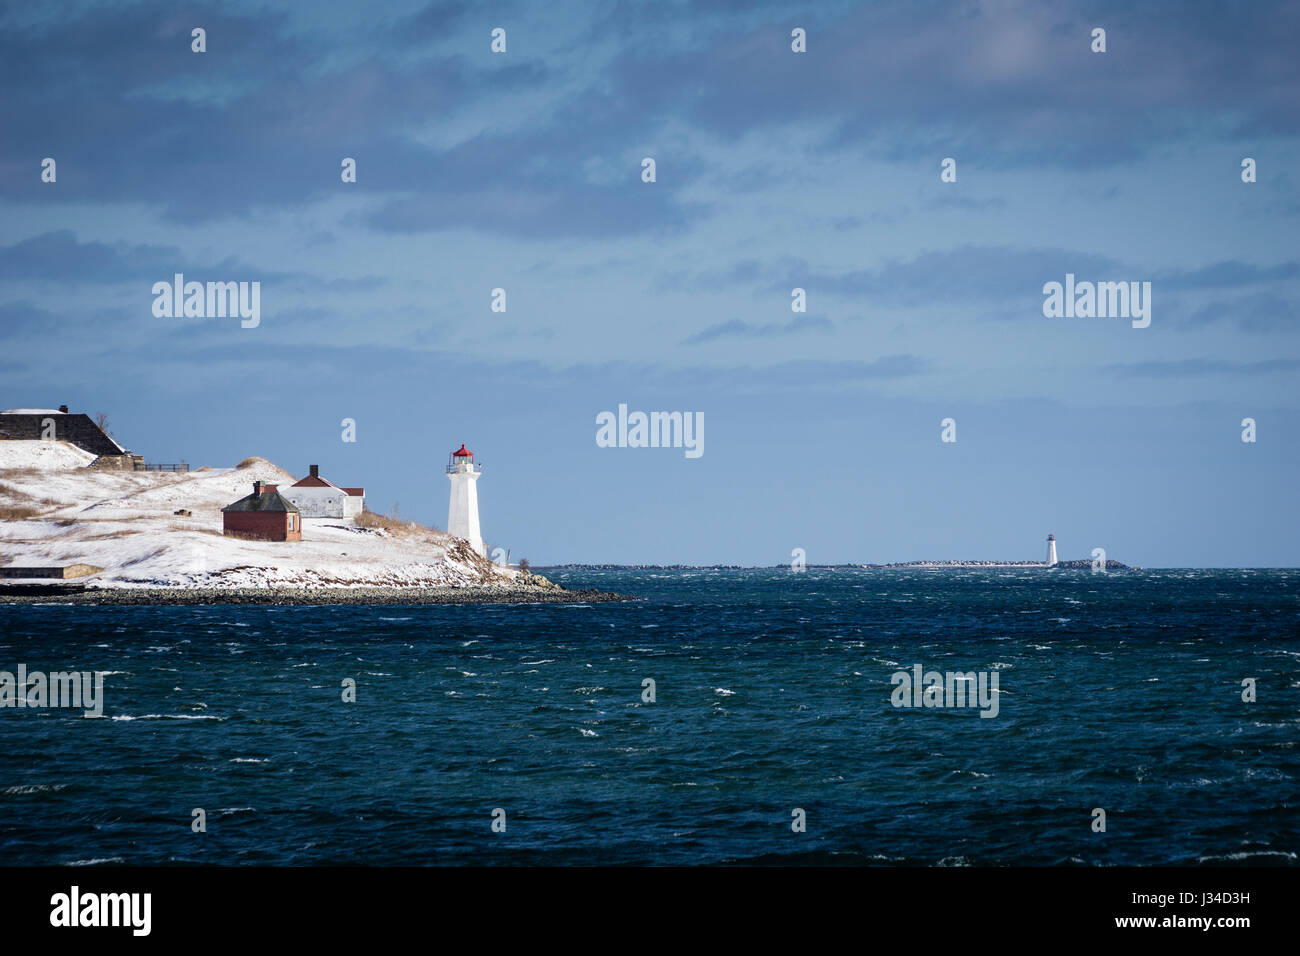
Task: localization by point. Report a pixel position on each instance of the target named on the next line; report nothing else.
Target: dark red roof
(463, 453)
(355, 492)
(314, 482)
(267, 501)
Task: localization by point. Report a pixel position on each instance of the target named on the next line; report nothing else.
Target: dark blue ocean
(1120, 691)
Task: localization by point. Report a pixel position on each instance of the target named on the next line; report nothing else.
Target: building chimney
(315, 471)
(64, 409)
(257, 489)
(268, 489)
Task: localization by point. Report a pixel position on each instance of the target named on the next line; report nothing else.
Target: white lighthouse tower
(462, 512)
(1051, 547)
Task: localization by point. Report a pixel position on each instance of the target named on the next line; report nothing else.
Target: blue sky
(775, 170)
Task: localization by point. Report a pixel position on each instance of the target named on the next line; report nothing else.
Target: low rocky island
(1084, 564)
(1081, 565)
(72, 533)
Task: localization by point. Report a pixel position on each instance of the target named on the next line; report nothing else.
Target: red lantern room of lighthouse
(462, 459)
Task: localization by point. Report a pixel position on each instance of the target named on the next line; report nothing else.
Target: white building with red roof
(317, 497)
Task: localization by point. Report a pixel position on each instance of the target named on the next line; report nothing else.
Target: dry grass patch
(402, 527)
(17, 512)
(145, 557)
(191, 527)
(370, 519)
(15, 492)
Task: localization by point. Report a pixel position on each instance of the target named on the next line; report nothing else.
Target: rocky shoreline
(164, 596)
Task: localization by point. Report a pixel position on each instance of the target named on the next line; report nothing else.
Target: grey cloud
(1202, 366)
(1229, 273)
(60, 256)
(1014, 80)
(1262, 313)
(736, 328)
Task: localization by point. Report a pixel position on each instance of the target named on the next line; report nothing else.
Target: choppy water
(1120, 691)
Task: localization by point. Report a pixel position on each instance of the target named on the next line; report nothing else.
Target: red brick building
(264, 515)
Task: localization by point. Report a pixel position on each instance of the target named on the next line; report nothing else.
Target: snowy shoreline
(359, 595)
(129, 537)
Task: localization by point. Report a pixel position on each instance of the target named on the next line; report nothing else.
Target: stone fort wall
(77, 429)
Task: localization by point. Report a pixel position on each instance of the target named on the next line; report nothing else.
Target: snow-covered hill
(55, 511)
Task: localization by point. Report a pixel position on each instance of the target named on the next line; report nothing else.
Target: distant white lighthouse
(462, 512)
(1051, 546)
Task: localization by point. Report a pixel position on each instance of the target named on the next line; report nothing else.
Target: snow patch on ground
(43, 454)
